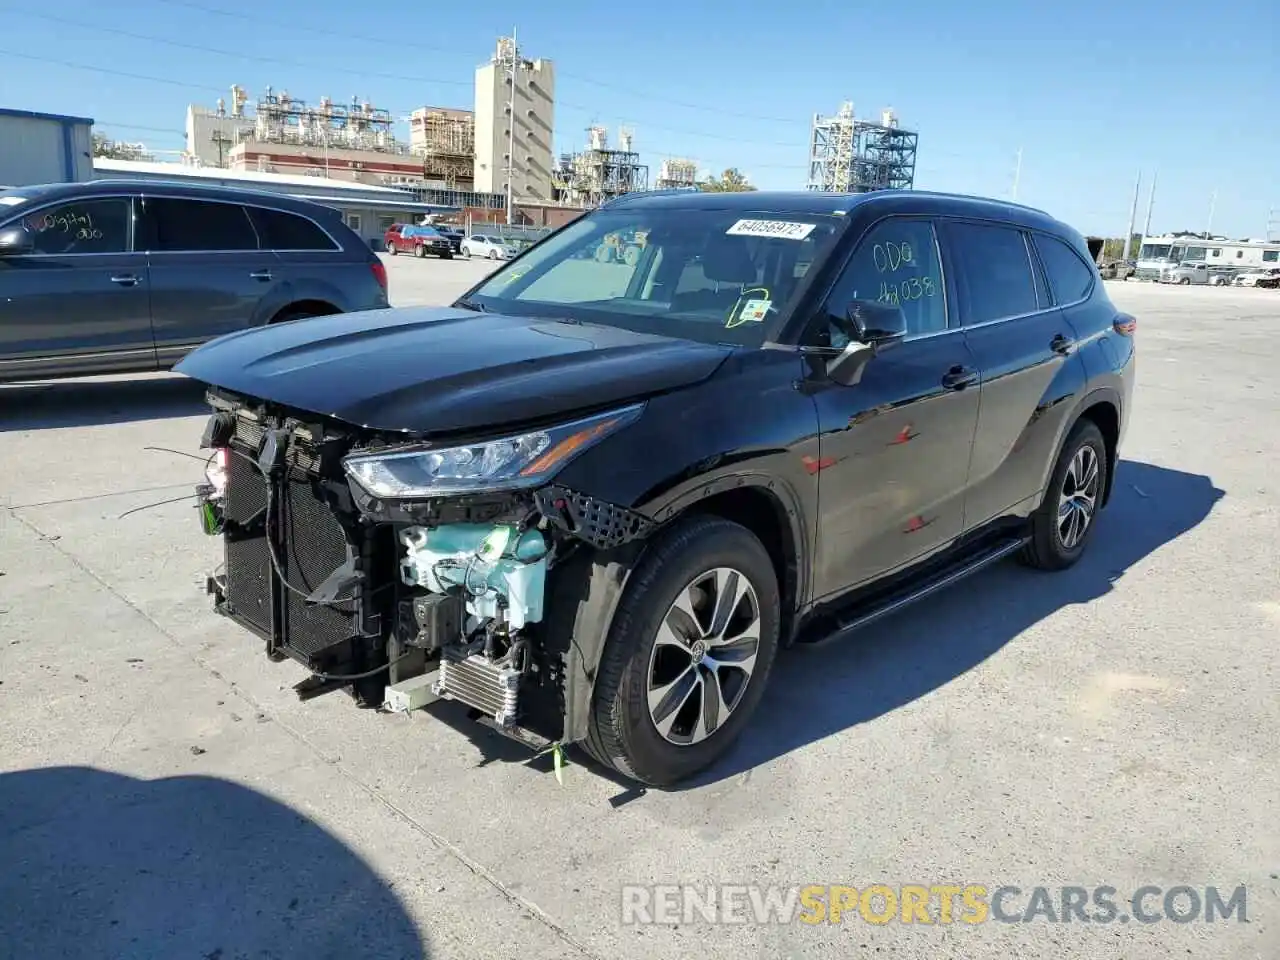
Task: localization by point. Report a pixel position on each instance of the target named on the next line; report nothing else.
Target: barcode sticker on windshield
(771, 228)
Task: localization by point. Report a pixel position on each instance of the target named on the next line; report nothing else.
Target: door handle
(125, 279)
(261, 275)
(1062, 345)
(957, 378)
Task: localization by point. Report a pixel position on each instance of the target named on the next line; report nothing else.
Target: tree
(731, 181)
(1113, 249)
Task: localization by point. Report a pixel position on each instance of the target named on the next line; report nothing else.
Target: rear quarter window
(280, 230)
(1070, 278)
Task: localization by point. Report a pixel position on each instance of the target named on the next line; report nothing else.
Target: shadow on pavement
(102, 865)
(816, 692)
(83, 403)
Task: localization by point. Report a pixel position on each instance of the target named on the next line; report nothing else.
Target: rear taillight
(379, 273)
(1125, 325)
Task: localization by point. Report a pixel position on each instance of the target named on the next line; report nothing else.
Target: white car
(1253, 278)
(495, 248)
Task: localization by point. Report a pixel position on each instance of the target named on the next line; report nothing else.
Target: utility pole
(511, 127)
(1133, 217)
(1213, 203)
(1146, 230)
(1017, 174)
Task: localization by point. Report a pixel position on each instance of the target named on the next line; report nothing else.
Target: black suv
(126, 276)
(592, 500)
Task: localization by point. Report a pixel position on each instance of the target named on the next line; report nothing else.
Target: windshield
(709, 275)
(1154, 251)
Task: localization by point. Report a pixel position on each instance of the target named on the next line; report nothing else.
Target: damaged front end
(410, 571)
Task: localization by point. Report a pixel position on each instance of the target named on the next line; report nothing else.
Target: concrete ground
(164, 794)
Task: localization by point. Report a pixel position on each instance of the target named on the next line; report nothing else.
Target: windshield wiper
(471, 305)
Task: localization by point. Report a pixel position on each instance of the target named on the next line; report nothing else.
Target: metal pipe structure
(1133, 218)
(1151, 202)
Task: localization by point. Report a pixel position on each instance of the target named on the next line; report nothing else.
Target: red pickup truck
(420, 241)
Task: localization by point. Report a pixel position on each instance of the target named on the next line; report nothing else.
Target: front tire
(688, 654)
(1065, 520)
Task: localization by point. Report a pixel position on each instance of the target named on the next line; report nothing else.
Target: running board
(904, 598)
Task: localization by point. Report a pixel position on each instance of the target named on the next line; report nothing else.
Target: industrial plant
(498, 156)
(599, 173)
(677, 173)
(446, 140)
(493, 162)
(848, 155)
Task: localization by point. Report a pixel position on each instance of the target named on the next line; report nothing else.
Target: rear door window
(1070, 278)
(84, 226)
(287, 231)
(997, 278)
(201, 226)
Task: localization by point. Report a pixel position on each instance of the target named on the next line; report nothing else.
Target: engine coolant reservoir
(494, 564)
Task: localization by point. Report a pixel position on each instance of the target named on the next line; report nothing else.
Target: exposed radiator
(250, 580)
(310, 545)
(475, 681)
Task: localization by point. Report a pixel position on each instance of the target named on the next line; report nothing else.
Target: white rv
(1158, 255)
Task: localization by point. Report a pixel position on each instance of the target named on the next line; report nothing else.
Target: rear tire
(1064, 522)
(713, 668)
(391, 250)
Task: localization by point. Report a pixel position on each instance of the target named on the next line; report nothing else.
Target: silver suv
(129, 276)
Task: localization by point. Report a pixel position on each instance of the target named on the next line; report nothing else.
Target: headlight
(507, 463)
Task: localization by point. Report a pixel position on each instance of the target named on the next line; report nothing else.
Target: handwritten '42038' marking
(913, 288)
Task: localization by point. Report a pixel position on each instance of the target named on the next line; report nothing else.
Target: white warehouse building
(44, 148)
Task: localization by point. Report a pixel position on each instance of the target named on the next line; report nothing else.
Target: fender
(582, 596)
(1103, 394)
(587, 588)
(778, 488)
(281, 295)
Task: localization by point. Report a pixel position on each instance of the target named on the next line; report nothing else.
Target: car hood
(427, 370)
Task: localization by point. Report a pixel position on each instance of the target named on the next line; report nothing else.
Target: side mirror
(16, 241)
(877, 323)
(874, 326)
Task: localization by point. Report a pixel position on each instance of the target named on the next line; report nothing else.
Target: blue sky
(1092, 92)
